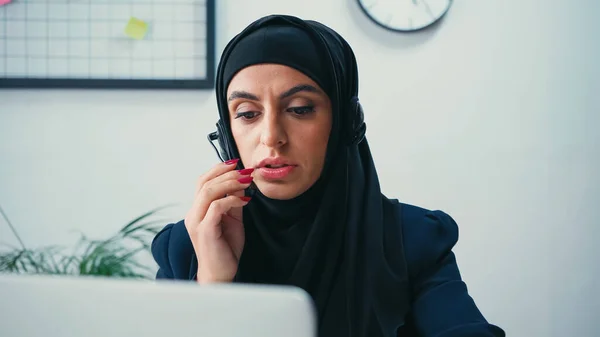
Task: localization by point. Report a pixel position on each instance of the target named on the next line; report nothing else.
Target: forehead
(275, 77)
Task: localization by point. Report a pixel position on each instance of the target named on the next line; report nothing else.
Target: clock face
(405, 15)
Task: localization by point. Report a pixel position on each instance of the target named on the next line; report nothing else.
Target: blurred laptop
(66, 306)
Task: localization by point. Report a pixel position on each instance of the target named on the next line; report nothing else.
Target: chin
(279, 191)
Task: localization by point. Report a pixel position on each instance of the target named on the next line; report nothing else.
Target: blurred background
(491, 116)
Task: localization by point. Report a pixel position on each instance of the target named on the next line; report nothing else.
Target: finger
(236, 213)
(212, 220)
(229, 223)
(216, 171)
(227, 187)
(232, 175)
(212, 192)
(239, 193)
(233, 232)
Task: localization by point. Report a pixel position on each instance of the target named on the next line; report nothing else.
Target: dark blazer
(440, 304)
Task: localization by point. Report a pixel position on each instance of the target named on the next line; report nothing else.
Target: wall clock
(405, 15)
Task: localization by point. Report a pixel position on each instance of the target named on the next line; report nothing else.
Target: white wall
(492, 117)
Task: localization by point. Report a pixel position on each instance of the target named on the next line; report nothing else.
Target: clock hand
(428, 9)
(371, 5)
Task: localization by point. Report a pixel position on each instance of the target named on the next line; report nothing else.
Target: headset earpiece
(357, 127)
(223, 142)
(219, 136)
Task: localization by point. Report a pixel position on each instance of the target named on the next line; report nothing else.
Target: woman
(298, 201)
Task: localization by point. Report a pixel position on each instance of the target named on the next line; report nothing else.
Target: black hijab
(329, 240)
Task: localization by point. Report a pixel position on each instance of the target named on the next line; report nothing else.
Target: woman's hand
(214, 222)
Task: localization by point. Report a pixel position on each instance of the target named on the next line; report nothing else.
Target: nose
(273, 133)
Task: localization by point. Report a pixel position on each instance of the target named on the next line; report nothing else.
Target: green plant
(115, 256)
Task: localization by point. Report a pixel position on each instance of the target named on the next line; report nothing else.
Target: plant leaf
(115, 256)
(143, 216)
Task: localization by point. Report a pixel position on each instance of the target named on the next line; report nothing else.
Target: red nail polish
(231, 162)
(246, 198)
(246, 172)
(245, 180)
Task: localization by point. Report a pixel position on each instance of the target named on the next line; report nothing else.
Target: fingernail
(231, 161)
(245, 180)
(246, 172)
(246, 199)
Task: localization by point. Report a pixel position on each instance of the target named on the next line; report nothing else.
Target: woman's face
(280, 120)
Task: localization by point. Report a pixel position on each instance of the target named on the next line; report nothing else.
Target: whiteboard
(86, 44)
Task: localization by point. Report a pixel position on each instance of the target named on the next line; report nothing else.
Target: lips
(274, 162)
(275, 168)
(278, 173)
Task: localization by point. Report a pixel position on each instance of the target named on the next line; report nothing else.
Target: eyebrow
(299, 88)
(292, 91)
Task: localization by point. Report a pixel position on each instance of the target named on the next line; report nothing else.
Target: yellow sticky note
(136, 28)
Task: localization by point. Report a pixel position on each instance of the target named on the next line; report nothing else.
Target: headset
(355, 130)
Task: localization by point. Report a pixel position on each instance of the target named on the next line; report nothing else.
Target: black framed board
(107, 44)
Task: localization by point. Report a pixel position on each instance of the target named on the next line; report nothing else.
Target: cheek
(242, 143)
(314, 140)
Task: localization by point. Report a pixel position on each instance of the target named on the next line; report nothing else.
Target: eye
(247, 115)
(302, 110)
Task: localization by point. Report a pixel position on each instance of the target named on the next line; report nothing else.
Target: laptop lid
(67, 306)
